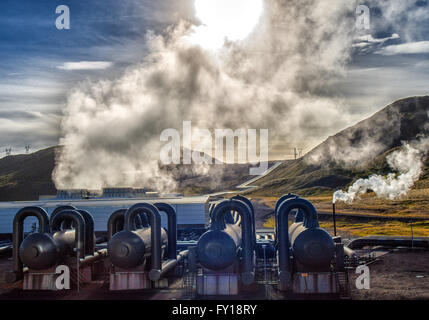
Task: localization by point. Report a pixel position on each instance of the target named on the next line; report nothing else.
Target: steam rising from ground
(407, 162)
(272, 80)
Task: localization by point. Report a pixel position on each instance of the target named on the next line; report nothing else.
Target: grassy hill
(401, 121)
(25, 176)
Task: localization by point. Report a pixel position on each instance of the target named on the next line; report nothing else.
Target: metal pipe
(334, 218)
(284, 252)
(276, 209)
(172, 263)
(18, 237)
(65, 224)
(88, 260)
(155, 224)
(172, 228)
(115, 223)
(243, 209)
(252, 211)
(89, 232)
(79, 221)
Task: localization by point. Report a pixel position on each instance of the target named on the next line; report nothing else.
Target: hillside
(331, 165)
(25, 177)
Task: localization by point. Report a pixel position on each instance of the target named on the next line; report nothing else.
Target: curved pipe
(79, 221)
(252, 211)
(116, 222)
(172, 228)
(89, 231)
(276, 209)
(18, 237)
(229, 218)
(66, 224)
(155, 224)
(283, 232)
(283, 198)
(243, 209)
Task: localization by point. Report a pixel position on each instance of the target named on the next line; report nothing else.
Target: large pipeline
(117, 219)
(313, 247)
(252, 211)
(217, 248)
(389, 241)
(18, 237)
(129, 248)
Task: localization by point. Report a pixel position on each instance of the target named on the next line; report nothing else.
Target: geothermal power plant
(201, 247)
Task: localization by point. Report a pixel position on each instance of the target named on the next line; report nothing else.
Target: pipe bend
(283, 239)
(80, 225)
(89, 231)
(307, 208)
(112, 223)
(59, 209)
(155, 224)
(283, 198)
(252, 211)
(245, 212)
(172, 227)
(18, 235)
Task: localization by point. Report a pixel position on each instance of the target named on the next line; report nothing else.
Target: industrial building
(192, 212)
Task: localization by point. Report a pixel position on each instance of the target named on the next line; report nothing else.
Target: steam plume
(272, 80)
(408, 162)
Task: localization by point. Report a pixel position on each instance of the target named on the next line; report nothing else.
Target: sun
(222, 20)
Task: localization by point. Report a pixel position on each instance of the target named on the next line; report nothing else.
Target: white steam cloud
(407, 162)
(275, 79)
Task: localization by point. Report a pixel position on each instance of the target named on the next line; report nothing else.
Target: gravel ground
(397, 276)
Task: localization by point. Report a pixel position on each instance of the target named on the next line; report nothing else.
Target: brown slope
(403, 120)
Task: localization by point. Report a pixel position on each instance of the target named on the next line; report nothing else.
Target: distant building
(192, 212)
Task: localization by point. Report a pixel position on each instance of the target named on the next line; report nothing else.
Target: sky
(40, 65)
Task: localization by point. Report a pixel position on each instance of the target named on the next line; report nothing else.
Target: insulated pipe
(229, 218)
(66, 224)
(97, 256)
(89, 232)
(172, 228)
(18, 236)
(116, 222)
(276, 209)
(285, 269)
(243, 209)
(172, 263)
(79, 222)
(155, 224)
(252, 211)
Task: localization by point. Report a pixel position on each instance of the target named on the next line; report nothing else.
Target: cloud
(419, 47)
(370, 39)
(367, 43)
(85, 65)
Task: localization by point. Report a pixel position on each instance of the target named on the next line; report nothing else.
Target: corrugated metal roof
(190, 210)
